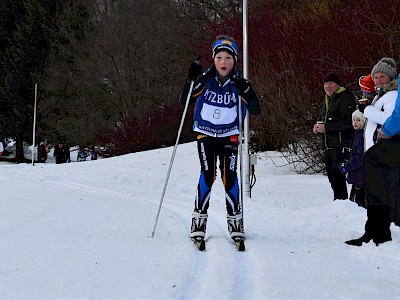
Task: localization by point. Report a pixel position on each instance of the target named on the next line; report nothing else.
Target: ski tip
(202, 246)
(199, 243)
(239, 244)
(241, 247)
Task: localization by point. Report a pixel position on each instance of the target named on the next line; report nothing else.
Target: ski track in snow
(203, 272)
(91, 189)
(85, 230)
(238, 261)
(235, 283)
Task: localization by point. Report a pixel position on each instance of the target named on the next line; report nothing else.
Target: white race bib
(218, 115)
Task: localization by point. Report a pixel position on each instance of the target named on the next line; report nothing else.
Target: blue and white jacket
(216, 111)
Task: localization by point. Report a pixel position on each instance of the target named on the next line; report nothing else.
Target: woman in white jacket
(377, 113)
(384, 74)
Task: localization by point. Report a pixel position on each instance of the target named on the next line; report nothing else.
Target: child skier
(354, 167)
(217, 93)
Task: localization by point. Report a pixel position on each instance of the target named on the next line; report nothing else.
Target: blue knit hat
(225, 44)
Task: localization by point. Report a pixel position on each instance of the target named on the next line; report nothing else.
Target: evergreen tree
(26, 33)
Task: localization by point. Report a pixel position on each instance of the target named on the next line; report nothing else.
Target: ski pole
(241, 158)
(173, 155)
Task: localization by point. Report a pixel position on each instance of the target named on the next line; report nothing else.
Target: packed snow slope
(83, 231)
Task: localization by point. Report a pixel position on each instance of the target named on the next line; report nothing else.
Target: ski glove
(361, 107)
(342, 168)
(195, 69)
(242, 85)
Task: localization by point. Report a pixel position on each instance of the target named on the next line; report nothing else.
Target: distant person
(61, 153)
(93, 153)
(42, 151)
(381, 159)
(335, 127)
(81, 156)
(1, 148)
(354, 167)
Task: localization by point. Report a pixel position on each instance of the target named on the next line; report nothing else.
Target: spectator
(61, 153)
(381, 160)
(42, 151)
(335, 126)
(81, 156)
(354, 167)
(93, 153)
(382, 105)
(367, 86)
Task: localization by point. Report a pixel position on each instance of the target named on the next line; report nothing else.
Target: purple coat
(354, 166)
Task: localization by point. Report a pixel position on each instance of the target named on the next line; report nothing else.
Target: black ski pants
(225, 149)
(332, 159)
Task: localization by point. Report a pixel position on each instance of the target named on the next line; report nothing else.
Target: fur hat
(331, 77)
(385, 65)
(367, 85)
(225, 44)
(358, 115)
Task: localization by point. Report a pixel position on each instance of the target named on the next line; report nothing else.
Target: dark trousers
(225, 149)
(333, 157)
(357, 195)
(381, 183)
(378, 222)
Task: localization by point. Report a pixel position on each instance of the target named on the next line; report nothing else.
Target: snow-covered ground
(83, 231)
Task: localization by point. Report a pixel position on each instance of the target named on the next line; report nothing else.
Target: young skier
(217, 93)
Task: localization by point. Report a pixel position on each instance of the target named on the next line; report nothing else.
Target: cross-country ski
(200, 243)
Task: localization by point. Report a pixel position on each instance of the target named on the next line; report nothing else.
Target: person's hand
(210, 71)
(319, 127)
(381, 135)
(361, 107)
(342, 168)
(242, 85)
(315, 129)
(362, 104)
(195, 69)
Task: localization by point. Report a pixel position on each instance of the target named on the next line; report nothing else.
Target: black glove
(210, 72)
(242, 85)
(361, 107)
(195, 69)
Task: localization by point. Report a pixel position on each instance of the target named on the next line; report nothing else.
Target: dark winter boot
(370, 227)
(358, 242)
(199, 224)
(383, 237)
(235, 226)
(383, 233)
